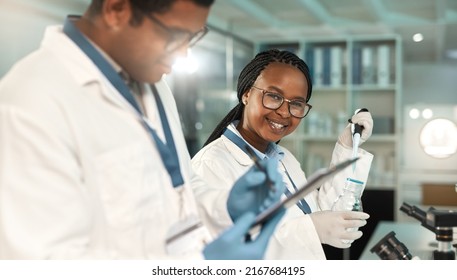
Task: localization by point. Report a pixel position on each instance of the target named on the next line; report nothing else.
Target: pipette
(356, 131)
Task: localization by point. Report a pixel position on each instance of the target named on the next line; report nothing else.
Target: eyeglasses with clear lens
(179, 38)
(272, 100)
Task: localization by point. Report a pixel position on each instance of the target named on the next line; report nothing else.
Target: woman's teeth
(277, 125)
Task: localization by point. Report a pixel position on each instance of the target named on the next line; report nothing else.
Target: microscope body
(440, 222)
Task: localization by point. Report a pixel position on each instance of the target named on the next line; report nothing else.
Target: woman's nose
(283, 110)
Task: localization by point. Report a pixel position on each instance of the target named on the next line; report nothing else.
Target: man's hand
(252, 192)
(233, 244)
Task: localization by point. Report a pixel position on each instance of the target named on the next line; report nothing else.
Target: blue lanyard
(167, 151)
(302, 204)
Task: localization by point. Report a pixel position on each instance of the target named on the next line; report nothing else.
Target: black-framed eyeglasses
(179, 38)
(271, 100)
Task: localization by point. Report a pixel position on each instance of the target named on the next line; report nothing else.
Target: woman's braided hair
(249, 75)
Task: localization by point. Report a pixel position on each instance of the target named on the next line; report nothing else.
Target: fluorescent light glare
(188, 64)
(414, 113)
(418, 37)
(427, 114)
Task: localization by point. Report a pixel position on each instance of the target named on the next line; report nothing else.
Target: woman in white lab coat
(273, 92)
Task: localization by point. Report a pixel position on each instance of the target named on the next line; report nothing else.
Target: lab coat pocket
(125, 182)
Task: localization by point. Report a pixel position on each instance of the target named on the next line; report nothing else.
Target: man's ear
(116, 12)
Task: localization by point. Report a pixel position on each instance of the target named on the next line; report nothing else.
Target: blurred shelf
(373, 87)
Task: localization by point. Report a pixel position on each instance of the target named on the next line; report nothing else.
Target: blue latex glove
(252, 193)
(232, 244)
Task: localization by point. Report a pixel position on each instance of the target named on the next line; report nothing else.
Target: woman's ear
(245, 98)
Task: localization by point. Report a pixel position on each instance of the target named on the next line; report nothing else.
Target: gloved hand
(338, 228)
(362, 118)
(251, 192)
(232, 244)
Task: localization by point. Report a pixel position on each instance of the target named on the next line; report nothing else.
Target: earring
(245, 102)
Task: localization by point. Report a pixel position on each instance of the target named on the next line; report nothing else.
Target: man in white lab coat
(93, 165)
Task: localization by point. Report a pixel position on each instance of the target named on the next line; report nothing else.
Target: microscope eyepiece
(390, 248)
(414, 212)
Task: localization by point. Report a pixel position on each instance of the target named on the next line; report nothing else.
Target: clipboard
(313, 182)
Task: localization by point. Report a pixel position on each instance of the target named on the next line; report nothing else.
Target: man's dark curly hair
(142, 7)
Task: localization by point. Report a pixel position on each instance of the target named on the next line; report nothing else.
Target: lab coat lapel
(84, 71)
(239, 155)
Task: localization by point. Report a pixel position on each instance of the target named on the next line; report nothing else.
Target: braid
(234, 114)
(249, 75)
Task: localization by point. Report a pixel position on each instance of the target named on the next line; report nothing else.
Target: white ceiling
(262, 20)
(23, 21)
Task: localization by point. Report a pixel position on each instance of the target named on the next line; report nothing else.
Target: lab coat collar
(273, 150)
(241, 157)
(84, 71)
(78, 64)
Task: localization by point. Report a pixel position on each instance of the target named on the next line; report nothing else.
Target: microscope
(390, 248)
(439, 222)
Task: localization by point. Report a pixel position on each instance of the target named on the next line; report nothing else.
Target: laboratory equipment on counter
(390, 248)
(349, 200)
(439, 222)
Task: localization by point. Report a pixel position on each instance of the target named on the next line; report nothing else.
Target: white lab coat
(221, 162)
(79, 175)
